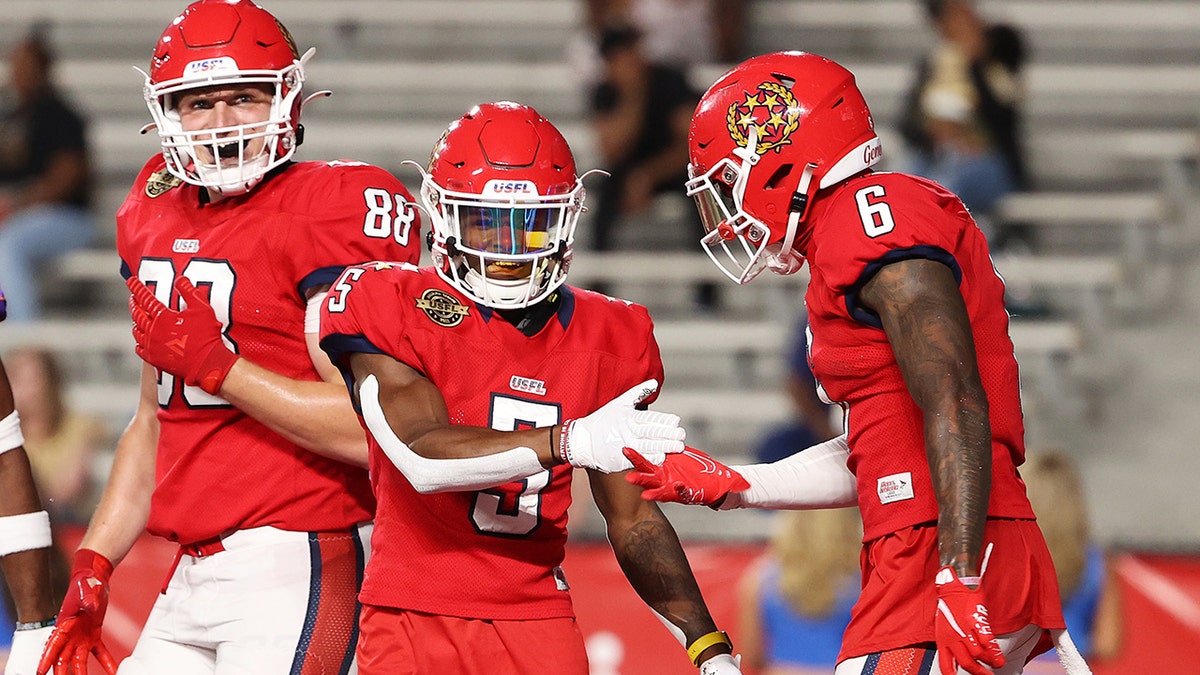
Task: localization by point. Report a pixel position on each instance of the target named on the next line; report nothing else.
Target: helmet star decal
(771, 108)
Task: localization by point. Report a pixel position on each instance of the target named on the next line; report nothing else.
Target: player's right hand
(688, 477)
(76, 635)
(963, 632)
(186, 343)
(597, 440)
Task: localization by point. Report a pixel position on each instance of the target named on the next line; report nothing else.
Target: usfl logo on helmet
(771, 108)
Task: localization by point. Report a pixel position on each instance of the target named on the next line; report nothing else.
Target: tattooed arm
(926, 322)
(650, 555)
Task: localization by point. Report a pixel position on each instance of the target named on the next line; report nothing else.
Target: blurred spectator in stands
(62, 443)
(1091, 604)
(813, 419)
(795, 601)
(962, 116)
(640, 112)
(45, 185)
(682, 33)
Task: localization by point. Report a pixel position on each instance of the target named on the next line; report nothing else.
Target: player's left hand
(963, 632)
(688, 477)
(186, 343)
(722, 664)
(26, 649)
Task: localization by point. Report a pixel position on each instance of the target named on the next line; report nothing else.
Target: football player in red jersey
(245, 448)
(24, 538)
(909, 334)
(484, 381)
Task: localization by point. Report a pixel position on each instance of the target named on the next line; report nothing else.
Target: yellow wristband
(717, 637)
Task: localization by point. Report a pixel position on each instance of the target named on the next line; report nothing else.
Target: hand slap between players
(597, 440)
(76, 635)
(186, 343)
(688, 477)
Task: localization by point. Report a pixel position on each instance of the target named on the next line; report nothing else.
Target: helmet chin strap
(787, 262)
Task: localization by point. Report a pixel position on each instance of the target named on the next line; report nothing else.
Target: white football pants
(273, 602)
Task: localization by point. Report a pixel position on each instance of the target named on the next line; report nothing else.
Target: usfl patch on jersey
(442, 308)
(160, 181)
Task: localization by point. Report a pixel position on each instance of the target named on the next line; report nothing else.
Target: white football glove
(722, 664)
(26, 650)
(595, 441)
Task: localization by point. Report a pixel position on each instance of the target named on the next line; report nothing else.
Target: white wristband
(10, 433)
(24, 532)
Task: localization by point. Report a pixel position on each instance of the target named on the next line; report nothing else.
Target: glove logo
(442, 308)
(178, 345)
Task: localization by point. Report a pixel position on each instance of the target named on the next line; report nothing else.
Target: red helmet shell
(805, 109)
(210, 30)
(501, 190)
(498, 141)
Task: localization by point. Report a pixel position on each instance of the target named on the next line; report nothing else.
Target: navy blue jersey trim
(314, 603)
(339, 346)
(863, 314)
(322, 276)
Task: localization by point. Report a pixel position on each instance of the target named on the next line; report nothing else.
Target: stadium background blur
(1108, 283)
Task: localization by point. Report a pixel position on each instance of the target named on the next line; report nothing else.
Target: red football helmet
(764, 139)
(503, 199)
(226, 42)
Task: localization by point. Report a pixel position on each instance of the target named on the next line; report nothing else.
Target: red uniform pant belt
(203, 548)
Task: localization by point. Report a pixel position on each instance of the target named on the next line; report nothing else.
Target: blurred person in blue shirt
(795, 602)
(1091, 601)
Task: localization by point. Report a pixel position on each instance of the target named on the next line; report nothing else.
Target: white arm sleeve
(312, 312)
(814, 478)
(443, 475)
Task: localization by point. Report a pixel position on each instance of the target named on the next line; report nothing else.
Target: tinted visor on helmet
(516, 231)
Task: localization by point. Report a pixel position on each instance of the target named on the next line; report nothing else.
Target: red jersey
(257, 255)
(868, 222)
(489, 554)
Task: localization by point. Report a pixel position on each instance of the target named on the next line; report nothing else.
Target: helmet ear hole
(779, 174)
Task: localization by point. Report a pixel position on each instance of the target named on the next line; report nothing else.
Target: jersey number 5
(495, 511)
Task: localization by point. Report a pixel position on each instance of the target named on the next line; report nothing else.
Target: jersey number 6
(876, 215)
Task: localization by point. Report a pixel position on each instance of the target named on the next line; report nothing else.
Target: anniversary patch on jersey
(160, 181)
(442, 308)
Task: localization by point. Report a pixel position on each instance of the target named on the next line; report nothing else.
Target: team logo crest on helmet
(772, 109)
(442, 308)
(287, 37)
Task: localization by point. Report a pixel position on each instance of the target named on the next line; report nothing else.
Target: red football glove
(688, 477)
(185, 343)
(964, 636)
(77, 632)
